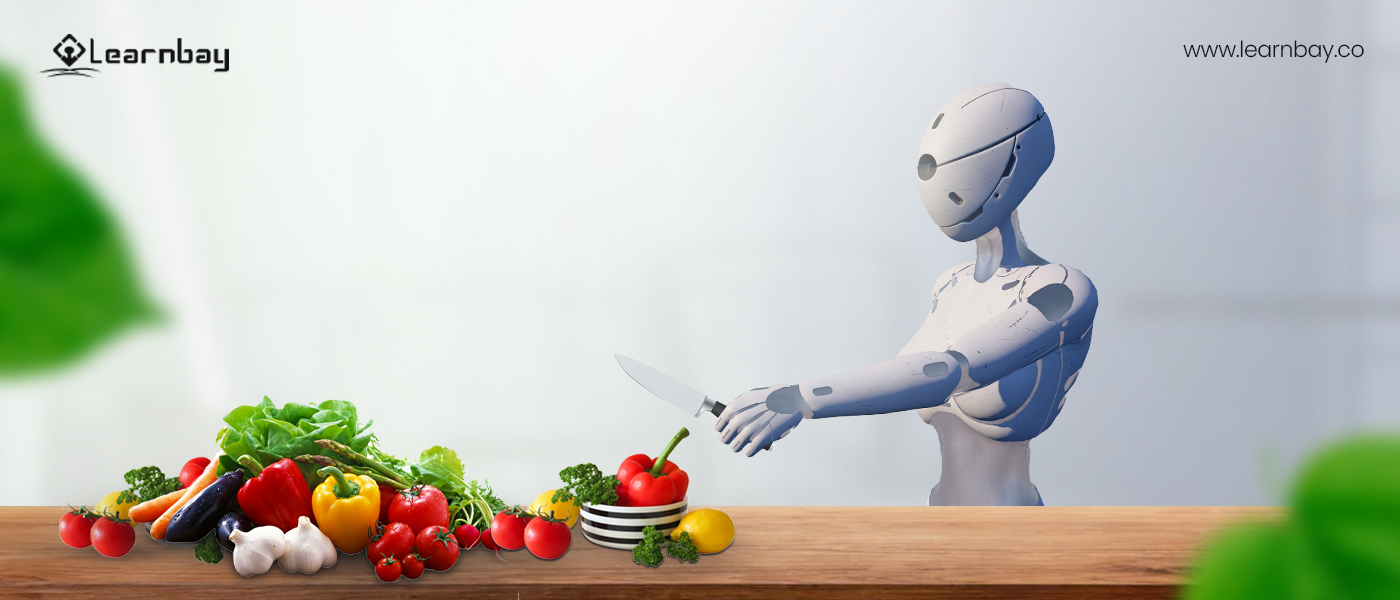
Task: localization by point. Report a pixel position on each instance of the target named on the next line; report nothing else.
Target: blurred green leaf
(1347, 506)
(1257, 560)
(66, 281)
(1340, 541)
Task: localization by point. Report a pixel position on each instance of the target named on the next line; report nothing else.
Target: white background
(453, 214)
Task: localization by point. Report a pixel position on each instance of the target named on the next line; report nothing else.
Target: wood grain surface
(779, 552)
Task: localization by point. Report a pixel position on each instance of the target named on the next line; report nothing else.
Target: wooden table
(780, 552)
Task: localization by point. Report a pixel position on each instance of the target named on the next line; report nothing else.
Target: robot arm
(1058, 308)
(764, 415)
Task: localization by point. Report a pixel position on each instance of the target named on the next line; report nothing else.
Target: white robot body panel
(1020, 337)
(1006, 334)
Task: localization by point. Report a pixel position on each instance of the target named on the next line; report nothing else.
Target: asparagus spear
(326, 461)
(350, 453)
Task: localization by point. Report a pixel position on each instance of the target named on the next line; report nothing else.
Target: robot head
(980, 156)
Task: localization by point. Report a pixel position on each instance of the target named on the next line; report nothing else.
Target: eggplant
(230, 522)
(201, 514)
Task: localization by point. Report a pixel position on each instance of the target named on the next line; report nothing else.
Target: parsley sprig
(585, 484)
(147, 483)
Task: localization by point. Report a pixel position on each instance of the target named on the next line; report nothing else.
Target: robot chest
(961, 308)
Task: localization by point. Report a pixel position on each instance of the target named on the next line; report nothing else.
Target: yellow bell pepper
(346, 508)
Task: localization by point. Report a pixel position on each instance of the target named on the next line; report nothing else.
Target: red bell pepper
(655, 482)
(277, 495)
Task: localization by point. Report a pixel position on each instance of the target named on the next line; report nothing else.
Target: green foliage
(147, 483)
(585, 484)
(682, 549)
(648, 552)
(475, 503)
(66, 280)
(269, 434)
(209, 550)
(1340, 540)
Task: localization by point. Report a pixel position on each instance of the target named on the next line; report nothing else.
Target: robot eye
(927, 166)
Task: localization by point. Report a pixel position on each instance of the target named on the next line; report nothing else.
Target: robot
(1005, 337)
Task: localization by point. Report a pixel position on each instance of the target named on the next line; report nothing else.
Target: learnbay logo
(71, 52)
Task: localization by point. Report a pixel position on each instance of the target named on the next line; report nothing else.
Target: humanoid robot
(1005, 337)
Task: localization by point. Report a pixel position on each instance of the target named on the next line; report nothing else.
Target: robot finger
(737, 422)
(742, 404)
(765, 439)
(750, 431)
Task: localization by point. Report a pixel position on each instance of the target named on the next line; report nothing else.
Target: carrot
(206, 478)
(152, 509)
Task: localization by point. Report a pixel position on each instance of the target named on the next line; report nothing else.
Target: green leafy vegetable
(1340, 540)
(648, 552)
(67, 282)
(208, 550)
(147, 483)
(466, 500)
(269, 433)
(585, 484)
(683, 549)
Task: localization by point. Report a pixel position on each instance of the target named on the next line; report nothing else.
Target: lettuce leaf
(270, 433)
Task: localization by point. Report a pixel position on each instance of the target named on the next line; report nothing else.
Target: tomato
(547, 538)
(192, 470)
(388, 569)
(488, 542)
(438, 548)
(508, 529)
(386, 499)
(75, 528)
(394, 540)
(420, 507)
(467, 535)
(112, 538)
(412, 566)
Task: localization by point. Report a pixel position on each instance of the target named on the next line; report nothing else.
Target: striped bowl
(621, 527)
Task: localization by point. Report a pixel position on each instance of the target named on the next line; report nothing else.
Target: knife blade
(665, 387)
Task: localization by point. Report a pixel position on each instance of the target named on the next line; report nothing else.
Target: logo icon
(69, 50)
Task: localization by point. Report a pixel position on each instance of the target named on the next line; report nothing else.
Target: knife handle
(719, 408)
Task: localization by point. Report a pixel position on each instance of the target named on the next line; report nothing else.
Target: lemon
(109, 505)
(566, 510)
(710, 530)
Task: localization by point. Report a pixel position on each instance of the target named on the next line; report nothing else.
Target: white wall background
(453, 214)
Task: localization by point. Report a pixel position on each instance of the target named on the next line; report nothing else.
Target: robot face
(979, 157)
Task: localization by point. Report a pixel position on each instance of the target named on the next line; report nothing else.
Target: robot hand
(760, 417)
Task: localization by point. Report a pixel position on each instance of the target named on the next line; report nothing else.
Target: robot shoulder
(1061, 293)
(952, 277)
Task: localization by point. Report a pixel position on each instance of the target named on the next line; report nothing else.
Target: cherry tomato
(192, 470)
(395, 540)
(388, 569)
(75, 528)
(488, 542)
(111, 537)
(508, 528)
(467, 535)
(438, 548)
(412, 566)
(420, 507)
(547, 538)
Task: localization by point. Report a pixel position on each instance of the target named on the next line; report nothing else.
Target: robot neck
(1003, 247)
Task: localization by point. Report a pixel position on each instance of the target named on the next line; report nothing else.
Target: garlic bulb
(307, 549)
(254, 551)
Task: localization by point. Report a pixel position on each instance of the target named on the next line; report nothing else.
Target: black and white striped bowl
(621, 527)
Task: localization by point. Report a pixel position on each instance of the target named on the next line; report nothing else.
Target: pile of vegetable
(297, 483)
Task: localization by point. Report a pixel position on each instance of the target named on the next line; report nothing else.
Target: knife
(669, 389)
